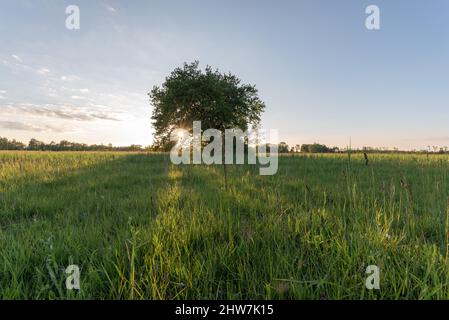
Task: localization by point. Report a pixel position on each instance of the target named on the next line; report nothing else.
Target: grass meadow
(142, 228)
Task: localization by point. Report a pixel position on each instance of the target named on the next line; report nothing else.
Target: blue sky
(323, 76)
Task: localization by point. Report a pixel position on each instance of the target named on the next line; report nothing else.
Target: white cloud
(3, 91)
(2, 97)
(17, 58)
(51, 92)
(78, 98)
(43, 71)
(111, 9)
(18, 65)
(84, 90)
(69, 78)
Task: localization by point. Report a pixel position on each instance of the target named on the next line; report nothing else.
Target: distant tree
(283, 147)
(297, 148)
(6, 144)
(35, 145)
(317, 148)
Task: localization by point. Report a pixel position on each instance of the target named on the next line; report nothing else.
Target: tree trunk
(223, 161)
(225, 176)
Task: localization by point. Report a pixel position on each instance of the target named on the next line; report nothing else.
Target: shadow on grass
(82, 215)
(140, 228)
(308, 232)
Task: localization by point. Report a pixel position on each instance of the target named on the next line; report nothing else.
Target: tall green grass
(141, 228)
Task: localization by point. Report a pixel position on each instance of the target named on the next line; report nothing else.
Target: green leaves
(216, 99)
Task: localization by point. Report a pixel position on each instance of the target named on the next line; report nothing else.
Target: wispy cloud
(17, 58)
(17, 64)
(69, 78)
(23, 126)
(75, 97)
(440, 138)
(60, 111)
(111, 9)
(43, 71)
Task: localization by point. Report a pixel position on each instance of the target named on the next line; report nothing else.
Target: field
(141, 228)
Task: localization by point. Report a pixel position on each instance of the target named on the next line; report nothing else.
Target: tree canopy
(218, 100)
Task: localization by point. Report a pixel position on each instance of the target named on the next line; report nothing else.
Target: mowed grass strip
(141, 228)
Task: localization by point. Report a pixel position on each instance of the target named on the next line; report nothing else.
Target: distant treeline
(321, 148)
(283, 147)
(36, 145)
